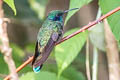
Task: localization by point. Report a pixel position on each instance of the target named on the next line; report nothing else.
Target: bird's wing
(38, 61)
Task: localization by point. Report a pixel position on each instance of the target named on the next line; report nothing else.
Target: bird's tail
(38, 66)
(37, 69)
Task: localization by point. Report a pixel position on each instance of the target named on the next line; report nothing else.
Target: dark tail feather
(40, 59)
(37, 53)
(37, 69)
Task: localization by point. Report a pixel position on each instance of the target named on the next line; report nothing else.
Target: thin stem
(95, 55)
(87, 61)
(95, 64)
(75, 33)
(98, 14)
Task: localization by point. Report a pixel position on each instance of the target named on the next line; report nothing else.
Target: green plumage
(46, 30)
(50, 33)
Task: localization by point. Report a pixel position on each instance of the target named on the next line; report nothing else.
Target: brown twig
(21, 66)
(112, 53)
(4, 46)
(70, 36)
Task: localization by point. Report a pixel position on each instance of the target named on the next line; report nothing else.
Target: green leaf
(113, 20)
(43, 75)
(11, 5)
(39, 7)
(75, 4)
(72, 74)
(67, 51)
(96, 35)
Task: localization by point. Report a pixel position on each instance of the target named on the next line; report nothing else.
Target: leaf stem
(95, 55)
(95, 63)
(87, 61)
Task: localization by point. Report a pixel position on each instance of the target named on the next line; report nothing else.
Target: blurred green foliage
(44, 75)
(24, 13)
(11, 5)
(75, 4)
(72, 74)
(1, 78)
(113, 20)
(29, 48)
(96, 35)
(39, 7)
(52, 69)
(67, 51)
(17, 54)
(3, 65)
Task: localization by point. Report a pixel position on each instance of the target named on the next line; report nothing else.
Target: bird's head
(57, 15)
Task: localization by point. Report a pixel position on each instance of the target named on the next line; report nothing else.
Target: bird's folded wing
(38, 60)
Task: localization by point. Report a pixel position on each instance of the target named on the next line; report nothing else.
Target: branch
(4, 46)
(21, 66)
(112, 53)
(70, 36)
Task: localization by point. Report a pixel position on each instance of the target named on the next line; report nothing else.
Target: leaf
(43, 75)
(39, 7)
(72, 74)
(67, 51)
(11, 5)
(52, 67)
(96, 35)
(113, 20)
(75, 4)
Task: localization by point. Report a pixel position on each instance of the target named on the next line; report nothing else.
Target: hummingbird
(49, 34)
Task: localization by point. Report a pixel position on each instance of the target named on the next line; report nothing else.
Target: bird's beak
(70, 10)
